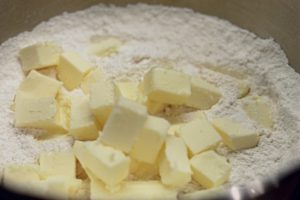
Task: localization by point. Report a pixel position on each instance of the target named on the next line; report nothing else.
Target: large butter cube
(72, 68)
(235, 135)
(92, 77)
(39, 85)
(103, 97)
(39, 55)
(204, 95)
(259, 109)
(143, 171)
(210, 169)
(167, 86)
(174, 167)
(57, 164)
(150, 140)
(105, 46)
(199, 135)
(124, 124)
(83, 125)
(128, 89)
(107, 164)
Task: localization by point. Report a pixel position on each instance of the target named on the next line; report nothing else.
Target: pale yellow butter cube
(150, 140)
(259, 109)
(72, 68)
(107, 164)
(243, 88)
(124, 124)
(93, 76)
(57, 164)
(167, 86)
(105, 46)
(174, 166)
(83, 125)
(143, 171)
(63, 101)
(235, 135)
(103, 96)
(204, 94)
(199, 135)
(210, 169)
(39, 55)
(128, 89)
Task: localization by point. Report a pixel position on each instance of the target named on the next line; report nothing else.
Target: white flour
(193, 43)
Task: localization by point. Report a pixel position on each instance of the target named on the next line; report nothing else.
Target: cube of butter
(57, 164)
(199, 135)
(167, 86)
(39, 55)
(210, 169)
(235, 135)
(72, 68)
(103, 96)
(105, 46)
(128, 89)
(124, 124)
(204, 95)
(93, 76)
(107, 164)
(150, 140)
(243, 88)
(83, 125)
(174, 166)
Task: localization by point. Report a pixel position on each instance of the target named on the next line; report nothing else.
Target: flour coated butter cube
(94, 76)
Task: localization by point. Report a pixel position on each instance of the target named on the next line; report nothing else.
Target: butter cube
(57, 164)
(199, 135)
(150, 140)
(235, 135)
(72, 68)
(107, 164)
(124, 124)
(167, 86)
(210, 169)
(143, 171)
(93, 76)
(20, 174)
(62, 116)
(174, 128)
(174, 166)
(243, 88)
(128, 90)
(39, 55)
(105, 46)
(83, 125)
(49, 71)
(103, 96)
(259, 109)
(204, 95)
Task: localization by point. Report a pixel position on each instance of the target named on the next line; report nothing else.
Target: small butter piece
(259, 109)
(150, 140)
(167, 86)
(128, 90)
(199, 135)
(105, 46)
(107, 164)
(235, 135)
(204, 95)
(57, 164)
(124, 124)
(243, 88)
(174, 166)
(103, 96)
(72, 68)
(210, 169)
(92, 77)
(83, 125)
(39, 55)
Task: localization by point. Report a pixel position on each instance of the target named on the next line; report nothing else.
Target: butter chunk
(199, 135)
(167, 86)
(124, 124)
(105, 46)
(243, 88)
(150, 140)
(174, 166)
(235, 135)
(72, 68)
(210, 169)
(39, 56)
(57, 164)
(107, 164)
(83, 125)
(259, 109)
(128, 89)
(93, 76)
(204, 95)
(103, 96)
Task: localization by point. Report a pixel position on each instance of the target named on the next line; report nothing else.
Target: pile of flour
(187, 41)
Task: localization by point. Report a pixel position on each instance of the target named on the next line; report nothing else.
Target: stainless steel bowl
(279, 19)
